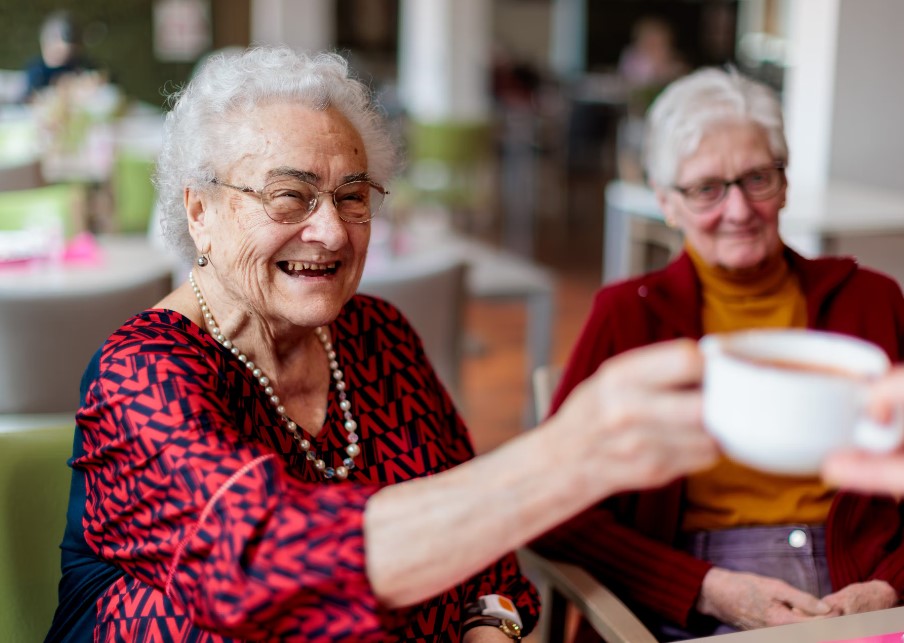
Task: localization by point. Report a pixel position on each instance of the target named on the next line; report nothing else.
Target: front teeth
(301, 265)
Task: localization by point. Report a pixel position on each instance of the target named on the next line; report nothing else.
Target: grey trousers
(793, 553)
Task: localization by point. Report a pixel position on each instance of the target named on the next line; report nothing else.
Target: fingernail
(823, 607)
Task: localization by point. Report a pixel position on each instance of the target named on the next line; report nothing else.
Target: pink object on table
(896, 637)
(83, 248)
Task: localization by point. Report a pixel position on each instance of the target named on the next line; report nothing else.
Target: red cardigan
(627, 540)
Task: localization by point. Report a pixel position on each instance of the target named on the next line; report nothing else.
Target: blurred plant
(66, 110)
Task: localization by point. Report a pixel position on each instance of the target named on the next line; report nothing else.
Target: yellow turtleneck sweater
(730, 494)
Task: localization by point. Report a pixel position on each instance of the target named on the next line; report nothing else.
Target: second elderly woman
(731, 547)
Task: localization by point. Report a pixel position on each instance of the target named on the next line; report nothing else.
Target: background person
(651, 59)
(266, 455)
(731, 547)
(61, 53)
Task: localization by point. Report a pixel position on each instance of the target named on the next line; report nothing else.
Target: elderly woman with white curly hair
(267, 455)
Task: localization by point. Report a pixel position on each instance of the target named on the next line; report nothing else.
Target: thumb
(805, 602)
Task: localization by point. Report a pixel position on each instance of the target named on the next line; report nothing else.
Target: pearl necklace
(351, 427)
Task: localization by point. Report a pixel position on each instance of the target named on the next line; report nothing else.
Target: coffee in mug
(780, 400)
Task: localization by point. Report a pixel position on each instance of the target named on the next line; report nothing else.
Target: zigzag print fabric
(194, 515)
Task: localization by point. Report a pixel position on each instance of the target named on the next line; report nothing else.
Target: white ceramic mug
(781, 400)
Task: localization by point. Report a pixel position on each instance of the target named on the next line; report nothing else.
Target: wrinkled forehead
(280, 137)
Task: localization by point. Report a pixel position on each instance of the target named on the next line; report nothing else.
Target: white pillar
(444, 58)
(867, 133)
(809, 89)
(843, 93)
(568, 48)
(304, 25)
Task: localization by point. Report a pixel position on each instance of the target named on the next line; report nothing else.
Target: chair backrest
(563, 585)
(433, 300)
(452, 164)
(63, 202)
(21, 175)
(544, 380)
(133, 191)
(34, 491)
(653, 244)
(46, 341)
(19, 136)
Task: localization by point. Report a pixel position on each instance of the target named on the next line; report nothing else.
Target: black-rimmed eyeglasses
(757, 184)
(292, 200)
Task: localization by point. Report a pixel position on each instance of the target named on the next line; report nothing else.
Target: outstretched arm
(635, 423)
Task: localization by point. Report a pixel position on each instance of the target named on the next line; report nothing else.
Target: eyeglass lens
(292, 200)
(758, 184)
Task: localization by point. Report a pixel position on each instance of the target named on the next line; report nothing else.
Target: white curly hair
(199, 132)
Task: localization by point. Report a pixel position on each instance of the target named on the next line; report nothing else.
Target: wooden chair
(21, 175)
(565, 586)
(34, 493)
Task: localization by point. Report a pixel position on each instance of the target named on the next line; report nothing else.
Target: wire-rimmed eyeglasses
(289, 199)
(758, 184)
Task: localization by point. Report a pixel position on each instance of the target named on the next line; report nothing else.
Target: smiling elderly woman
(730, 547)
(266, 455)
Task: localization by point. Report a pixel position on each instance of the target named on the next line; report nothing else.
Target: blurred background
(522, 122)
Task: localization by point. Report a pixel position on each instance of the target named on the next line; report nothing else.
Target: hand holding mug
(873, 472)
(639, 417)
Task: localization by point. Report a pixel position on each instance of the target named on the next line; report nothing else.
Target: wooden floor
(494, 381)
(495, 386)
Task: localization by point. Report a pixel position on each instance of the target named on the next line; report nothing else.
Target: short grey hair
(199, 130)
(681, 115)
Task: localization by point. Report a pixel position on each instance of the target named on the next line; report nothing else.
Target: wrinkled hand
(856, 470)
(750, 601)
(862, 597)
(642, 411)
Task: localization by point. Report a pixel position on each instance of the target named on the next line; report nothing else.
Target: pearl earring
(203, 261)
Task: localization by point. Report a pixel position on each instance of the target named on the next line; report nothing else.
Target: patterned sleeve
(180, 500)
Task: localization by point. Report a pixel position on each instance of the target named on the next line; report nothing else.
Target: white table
(627, 204)
(121, 261)
(854, 626)
(492, 274)
(12, 423)
(54, 315)
(840, 218)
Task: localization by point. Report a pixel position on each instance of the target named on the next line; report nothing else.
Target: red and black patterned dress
(194, 515)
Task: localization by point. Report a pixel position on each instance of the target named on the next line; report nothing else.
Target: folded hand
(862, 597)
(750, 601)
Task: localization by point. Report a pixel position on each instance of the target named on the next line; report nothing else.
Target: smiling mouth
(306, 269)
